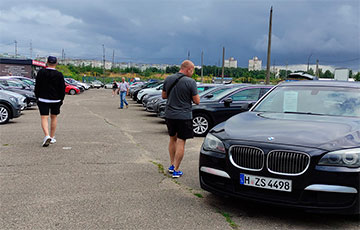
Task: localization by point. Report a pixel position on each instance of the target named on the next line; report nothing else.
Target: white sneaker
(53, 140)
(46, 141)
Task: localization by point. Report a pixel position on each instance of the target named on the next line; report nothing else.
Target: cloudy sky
(164, 31)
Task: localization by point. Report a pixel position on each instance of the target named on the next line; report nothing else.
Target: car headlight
(14, 99)
(213, 143)
(347, 157)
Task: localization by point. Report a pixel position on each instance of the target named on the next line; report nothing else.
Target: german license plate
(265, 182)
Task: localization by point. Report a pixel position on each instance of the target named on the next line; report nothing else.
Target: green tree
(284, 73)
(328, 74)
(357, 76)
(311, 72)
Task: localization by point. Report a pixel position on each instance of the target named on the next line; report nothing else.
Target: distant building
(20, 67)
(231, 62)
(254, 64)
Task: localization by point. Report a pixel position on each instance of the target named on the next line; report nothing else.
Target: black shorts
(44, 108)
(182, 128)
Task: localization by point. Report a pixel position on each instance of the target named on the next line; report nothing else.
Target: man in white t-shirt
(124, 91)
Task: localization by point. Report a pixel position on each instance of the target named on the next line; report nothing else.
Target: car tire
(4, 114)
(201, 124)
(72, 92)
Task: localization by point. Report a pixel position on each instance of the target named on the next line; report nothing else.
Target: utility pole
(113, 59)
(103, 59)
(269, 50)
(317, 68)
(274, 69)
(31, 49)
(308, 62)
(202, 67)
(223, 66)
(16, 49)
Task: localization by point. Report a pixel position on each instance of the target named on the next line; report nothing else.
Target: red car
(72, 90)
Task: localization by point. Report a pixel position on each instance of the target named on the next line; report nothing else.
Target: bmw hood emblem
(271, 138)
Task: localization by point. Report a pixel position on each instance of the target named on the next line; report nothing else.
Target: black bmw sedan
(221, 106)
(298, 146)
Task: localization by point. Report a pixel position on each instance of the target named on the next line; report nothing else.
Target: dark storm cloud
(160, 31)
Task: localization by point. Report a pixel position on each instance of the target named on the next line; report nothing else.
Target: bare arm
(196, 99)
(163, 95)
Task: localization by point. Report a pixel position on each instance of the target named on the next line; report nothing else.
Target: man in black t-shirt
(50, 93)
(180, 90)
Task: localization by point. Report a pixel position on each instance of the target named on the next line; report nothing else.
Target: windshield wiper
(307, 113)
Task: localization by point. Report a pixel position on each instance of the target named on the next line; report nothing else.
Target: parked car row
(17, 94)
(218, 102)
(19, 89)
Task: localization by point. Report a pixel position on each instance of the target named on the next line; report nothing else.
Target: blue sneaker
(171, 169)
(177, 174)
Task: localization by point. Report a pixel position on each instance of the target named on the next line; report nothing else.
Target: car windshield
(205, 91)
(222, 94)
(15, 83)
(28, 82)
(312, 100)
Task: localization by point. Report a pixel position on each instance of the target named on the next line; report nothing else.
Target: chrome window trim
(331, 188)
(249, 169)
(215, 172)
(287, 174)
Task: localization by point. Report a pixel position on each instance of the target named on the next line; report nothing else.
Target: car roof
(322, 83)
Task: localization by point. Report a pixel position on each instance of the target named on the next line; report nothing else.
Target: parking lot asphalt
(108, 171)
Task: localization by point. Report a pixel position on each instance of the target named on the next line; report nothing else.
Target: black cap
(52, 60)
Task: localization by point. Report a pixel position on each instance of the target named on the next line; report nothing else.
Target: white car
(86, 85)
(149, 91)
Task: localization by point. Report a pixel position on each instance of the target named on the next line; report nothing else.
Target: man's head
(187, 68)
(51, 61)
(123, 80)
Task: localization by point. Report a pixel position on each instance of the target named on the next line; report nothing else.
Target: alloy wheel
(200, 125)
(4, 114)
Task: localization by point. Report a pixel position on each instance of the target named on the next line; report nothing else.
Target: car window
(333, 101)
(14, 84)
(263, 91)
(246, 95)
(200, 89)
(4, 82)
(223, 94)
(29, 82)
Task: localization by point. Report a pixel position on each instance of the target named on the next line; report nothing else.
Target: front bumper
(161, 112)
(150, 107)
(318, 190)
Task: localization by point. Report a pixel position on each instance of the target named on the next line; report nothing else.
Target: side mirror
(228, 100)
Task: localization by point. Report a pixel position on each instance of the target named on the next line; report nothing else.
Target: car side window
(263, 91)
(246, 95)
